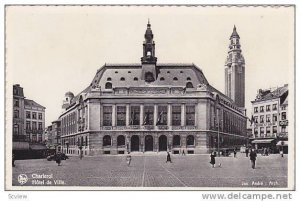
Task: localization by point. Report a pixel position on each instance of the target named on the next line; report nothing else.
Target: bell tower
(149, 70)
(235, 71)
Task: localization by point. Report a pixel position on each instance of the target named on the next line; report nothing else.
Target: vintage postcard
(190, 97)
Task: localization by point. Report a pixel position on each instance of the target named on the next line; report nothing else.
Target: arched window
(108, 85)
(162, 79)
(106, 140)
(176, 140)
(109, 79)
(189, 85)
(188, 78)
(135, 79)
(121, 140)
(175, 78)
(122, 79)
(190, 140)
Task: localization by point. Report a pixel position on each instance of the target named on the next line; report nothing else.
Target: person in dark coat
(13, 160)
(234, 153)
(213, 159)
(168, 157)
(58, 158)
(247, 152)
(128, 159)
(253, 156)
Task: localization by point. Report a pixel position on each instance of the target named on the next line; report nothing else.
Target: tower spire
(235, 71)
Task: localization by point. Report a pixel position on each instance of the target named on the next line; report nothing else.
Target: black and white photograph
(150, 97)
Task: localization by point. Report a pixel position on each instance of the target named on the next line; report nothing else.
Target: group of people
(253, 156)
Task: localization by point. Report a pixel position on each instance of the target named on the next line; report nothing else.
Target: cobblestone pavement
(153, 171)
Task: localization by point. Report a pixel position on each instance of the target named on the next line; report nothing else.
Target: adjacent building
(153, 107)
(270, 119)
(53, 135)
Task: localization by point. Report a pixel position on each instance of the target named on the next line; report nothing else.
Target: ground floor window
(176, 140)
(121, 140)
(106, 140)
(190, 140)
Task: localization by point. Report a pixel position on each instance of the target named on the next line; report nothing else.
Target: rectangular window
(40, 126)
(268, 108)
(274, 129)
(148, 115)
(255, 109)
(176, 115)
(16, 114)
(34, 115)
(274, 118)
(121, 115)
(261, 109)
(261, 119)
(283, 116)
(27, 125)
(268, 118)
(34, 126)
(262, 131)
(190, 115)
(16, 129)
(16, 103)
(28, 116)
(40, 116)
(283, 129)
(268, 130)
(107, 115)
(135, 115)
(162, 115)
(274, 106)
(255, 132)
(256, 119)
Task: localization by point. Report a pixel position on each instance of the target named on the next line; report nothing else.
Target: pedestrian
(213, 159)
(128, 159)
(13, 160)
(281, 153)
(234, 153)
(168, 158)
(58, 158)
(253, 156)
(81, 154)
(247, 152)
(267, 151)
(183, 153)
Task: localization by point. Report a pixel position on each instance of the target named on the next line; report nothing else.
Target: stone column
(113, 116)
(155, 114)
(155, 148)
(169, 114)
(182, 114)
(127, 115)
(141, 114)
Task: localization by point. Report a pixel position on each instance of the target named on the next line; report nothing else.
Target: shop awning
(37, 147)
(262, 141)
(282, 143)
(20, 146)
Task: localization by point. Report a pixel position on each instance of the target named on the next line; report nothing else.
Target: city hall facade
(153, 107)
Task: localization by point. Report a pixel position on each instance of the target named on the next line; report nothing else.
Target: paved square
(152, 171)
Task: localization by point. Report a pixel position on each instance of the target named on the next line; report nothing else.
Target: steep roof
(32, 103)
(269, 94)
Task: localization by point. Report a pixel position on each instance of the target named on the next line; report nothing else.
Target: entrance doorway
(135, 143)
(148, 143)
(163, 143)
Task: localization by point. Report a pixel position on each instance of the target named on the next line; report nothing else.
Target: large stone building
(270, 119)
(150, 107)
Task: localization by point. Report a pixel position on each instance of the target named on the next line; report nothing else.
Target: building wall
(34, 126)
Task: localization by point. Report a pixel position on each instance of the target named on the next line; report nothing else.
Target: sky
(54, 49)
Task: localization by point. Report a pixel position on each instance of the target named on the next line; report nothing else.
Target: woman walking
(213, 159)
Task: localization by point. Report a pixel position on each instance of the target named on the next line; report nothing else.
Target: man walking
(253, 156)
(247, 152)
(168, 157)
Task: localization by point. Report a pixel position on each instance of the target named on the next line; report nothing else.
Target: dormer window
(122, 79)
(168, 71)
(162, 79)
(109, 79)
(181, 71)
(189, 85)
(129, 71)
(108, 85)
(116, 72)
(188, 78)
(175, 78)
(135, 79)
(149, 77)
